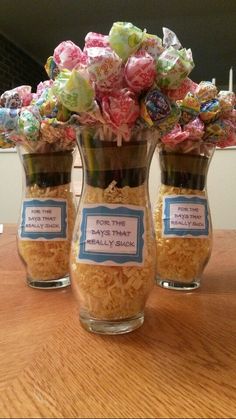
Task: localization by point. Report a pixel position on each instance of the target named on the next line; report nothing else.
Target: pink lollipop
(120, 108)
(94, 39)
(104, 67)
(195, 129)
(67, 55)
(140, 71)
(177, 94)
(175, 136)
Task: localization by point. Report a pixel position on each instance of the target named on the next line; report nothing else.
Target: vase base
(49, 284)
(178, 286)
(111, 327)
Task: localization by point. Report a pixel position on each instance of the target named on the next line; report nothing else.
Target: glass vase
(47, 217)
(182, 216)
(113, 250)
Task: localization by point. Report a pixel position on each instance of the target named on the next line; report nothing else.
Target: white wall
(221, 187)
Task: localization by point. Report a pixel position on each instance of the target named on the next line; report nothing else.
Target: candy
(175, 136)
(190, 107)
(94, 39)
(29, 123)
(125, 39)
(51, 68)
(173, 66)
(5, 142)
(167, 124)
(104, 67)
(210, 110)
(8, 118)
(152, 44)
(206, 91)
(140, 71)
(67, 55)
(155, 107)
(187, 86)
(215, 131)
(195, 128)
(120, 108)
(74, 90)
(170, 39)
(227, 101)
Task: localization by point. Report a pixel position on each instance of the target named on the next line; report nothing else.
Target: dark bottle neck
(183, 170)
(48, 169)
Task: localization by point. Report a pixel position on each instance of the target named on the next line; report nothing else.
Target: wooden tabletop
(180, 363)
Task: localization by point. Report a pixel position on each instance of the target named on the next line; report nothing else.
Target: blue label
(44, 219)
(185, 215)
(112, 235)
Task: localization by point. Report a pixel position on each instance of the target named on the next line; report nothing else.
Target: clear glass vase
(113, 250)
(182, 216)
(47, 217)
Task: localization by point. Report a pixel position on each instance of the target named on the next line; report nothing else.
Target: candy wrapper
(195, 129)
(120, 108)
(74, 90)
(175, 136)
(210, 110)
(29, 123)
(16, 98)
(170, 39)
(206, 91)
(190, 107)
(173, 66)
(8, 119)
(94, 39)
(125, 39)
(104, 68)
(67, 55)
(51, 68)
(187, 86)
(227, 101)
(5, 142)
(155, 107)
(140, 71)
(151, 44)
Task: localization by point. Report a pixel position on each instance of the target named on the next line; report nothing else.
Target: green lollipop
(125, 39)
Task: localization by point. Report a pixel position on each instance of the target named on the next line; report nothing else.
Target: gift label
(185, 216)
(44, 219)
(112, 235)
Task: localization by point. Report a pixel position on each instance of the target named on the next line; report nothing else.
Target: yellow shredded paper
(114, 292)
(180, 259)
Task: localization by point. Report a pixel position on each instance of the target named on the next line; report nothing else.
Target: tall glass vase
(182, 216)
(47, 217)
(113, 250)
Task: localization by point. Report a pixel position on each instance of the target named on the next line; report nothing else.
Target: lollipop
(206, 91)
(125, 39)
(67, 55)
(155, 107)
(140, 71)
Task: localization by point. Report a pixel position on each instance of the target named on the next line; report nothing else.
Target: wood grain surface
(180, 363)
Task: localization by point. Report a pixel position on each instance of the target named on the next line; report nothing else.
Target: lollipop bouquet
(37, 125)
(182, 214)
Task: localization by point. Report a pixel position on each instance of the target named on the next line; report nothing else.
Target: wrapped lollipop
(187, 86)
(190, 108)
(74, 90)
(140, 71)
(173, 66)
(227, 101)
(151, 44)
(210, 110)
(104, 68)
(206, 91)
(155, 107)
(94, 39)
(67, 55)
(125, 39)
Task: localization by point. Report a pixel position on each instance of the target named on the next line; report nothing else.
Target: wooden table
(180, 363)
